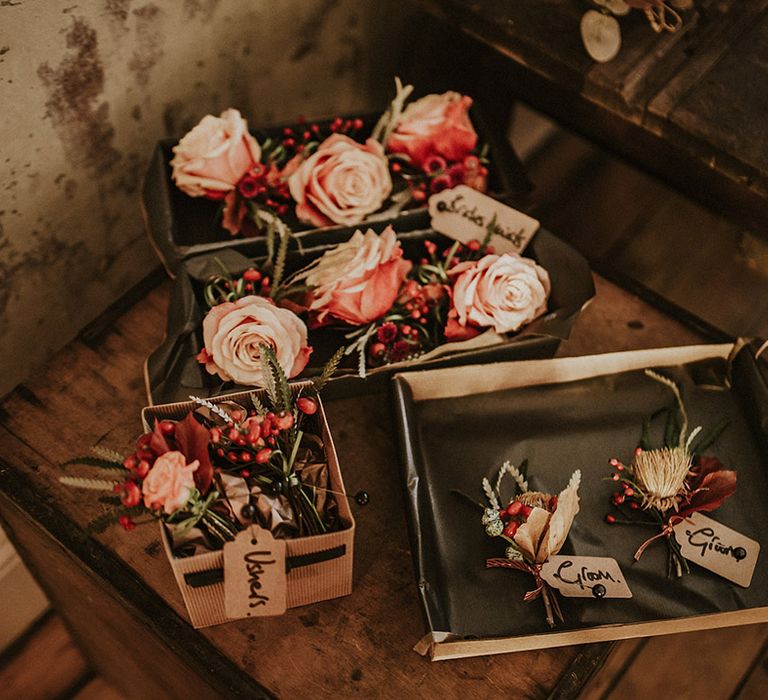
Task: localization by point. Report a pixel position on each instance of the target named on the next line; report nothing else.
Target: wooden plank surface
(618, 662)
(632, 227)
(754, 685)
(92, 394)
(98, 689)
(46, 664)
(693, 665)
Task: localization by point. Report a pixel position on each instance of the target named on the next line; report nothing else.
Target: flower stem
(548, 607)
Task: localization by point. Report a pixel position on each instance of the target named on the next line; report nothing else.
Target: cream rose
(358, 281)
(500, 291)
(210, 160)
(169, 482)
(341, 183)
(233, 331)
(435, 125)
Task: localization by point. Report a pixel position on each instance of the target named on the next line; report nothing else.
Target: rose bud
(130, 463)
(251, 275)
(307, 405)
(167, 427)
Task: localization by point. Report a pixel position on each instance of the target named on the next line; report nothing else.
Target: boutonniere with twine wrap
(535, 525)
(671, 482)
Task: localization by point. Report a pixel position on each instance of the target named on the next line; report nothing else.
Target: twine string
(657, 17)
(666, 531)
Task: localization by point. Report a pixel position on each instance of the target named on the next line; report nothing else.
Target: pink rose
(169, 483)
(233, 331)
(500, 291)
(341, 182)
(358, 281)
(435, 125)
(210, 160)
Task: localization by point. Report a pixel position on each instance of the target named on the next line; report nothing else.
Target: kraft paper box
(318, 567)
(180, 226)
(457, 426)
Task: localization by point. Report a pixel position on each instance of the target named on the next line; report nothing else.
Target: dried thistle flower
(661, 474)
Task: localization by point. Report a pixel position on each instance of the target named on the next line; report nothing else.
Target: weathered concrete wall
(88, 86)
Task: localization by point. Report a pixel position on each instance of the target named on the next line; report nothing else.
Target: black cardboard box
(180, 226)
(172, 373)
(458, 426)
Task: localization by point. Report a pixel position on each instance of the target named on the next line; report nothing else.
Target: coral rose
(435, 125)
(233, 331)
(169, 483)
(500, 291)
(341, 182)
(210, 160)
(358, 281)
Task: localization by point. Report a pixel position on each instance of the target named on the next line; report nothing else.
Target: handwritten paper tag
(585, 577)
(465, 214)
(254, 575)
(717, 548)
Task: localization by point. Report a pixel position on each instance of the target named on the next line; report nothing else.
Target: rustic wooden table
(116, 590)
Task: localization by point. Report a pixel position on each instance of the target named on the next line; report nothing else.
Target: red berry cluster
(346, 126)
(626, 495)
(255, 282)
(264, 185)
(516, 513)
(298, 139)
(440, 175)
(254, 439)
(394, 342)
(472, 250)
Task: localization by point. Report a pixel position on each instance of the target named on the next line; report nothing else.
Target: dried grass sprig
(213, 408)
(666, 381)
(90, 484)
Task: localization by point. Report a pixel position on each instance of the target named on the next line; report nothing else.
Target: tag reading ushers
(717, 548)
(465, 214)
(585, 577)
(254, 574)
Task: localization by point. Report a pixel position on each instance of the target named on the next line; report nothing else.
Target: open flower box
(457, 426)
(172, 373)
(180, 226)
(317, 567)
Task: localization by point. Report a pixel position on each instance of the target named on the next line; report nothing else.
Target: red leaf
(710, 486)
(193, 439)
(158, 442)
